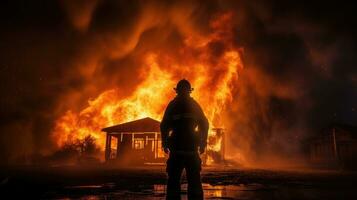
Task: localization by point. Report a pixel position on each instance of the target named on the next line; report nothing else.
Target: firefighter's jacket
(184, 126)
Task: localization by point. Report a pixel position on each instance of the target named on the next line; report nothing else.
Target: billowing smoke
(299, 66)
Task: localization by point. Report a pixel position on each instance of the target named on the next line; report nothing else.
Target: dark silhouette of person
(184, 129)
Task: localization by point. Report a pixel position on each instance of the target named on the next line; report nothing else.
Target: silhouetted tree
(77, 150)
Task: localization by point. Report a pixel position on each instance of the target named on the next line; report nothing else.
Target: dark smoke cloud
(306, 49)
(300, 63)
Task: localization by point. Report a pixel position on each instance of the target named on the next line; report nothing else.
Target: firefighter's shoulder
(193, 101)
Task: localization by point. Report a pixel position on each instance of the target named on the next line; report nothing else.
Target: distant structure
(135, 142)
(335, 146)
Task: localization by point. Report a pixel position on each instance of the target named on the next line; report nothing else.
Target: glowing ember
(213, 76)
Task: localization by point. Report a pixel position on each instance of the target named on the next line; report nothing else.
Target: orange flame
(213, 75)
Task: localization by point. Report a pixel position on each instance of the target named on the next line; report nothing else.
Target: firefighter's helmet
(183, 86)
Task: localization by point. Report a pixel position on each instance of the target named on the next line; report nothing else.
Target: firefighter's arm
(165, 127)
(203, 126)
(203, 133)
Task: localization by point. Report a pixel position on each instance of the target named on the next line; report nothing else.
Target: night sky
(309, 46)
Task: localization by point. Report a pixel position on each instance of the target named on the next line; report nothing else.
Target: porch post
(223, 147)
(118, 141)
(156, 146)
(107, 147)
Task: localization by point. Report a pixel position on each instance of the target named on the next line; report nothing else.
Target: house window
(139, 143)
(113, 147)
(114, 142)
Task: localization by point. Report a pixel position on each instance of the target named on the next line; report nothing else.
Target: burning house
(336, 145)
(139, 142)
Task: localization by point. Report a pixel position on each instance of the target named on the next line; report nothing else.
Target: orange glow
(214, 78)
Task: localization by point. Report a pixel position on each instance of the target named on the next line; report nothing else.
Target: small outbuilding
(135, 142)
(336, 145)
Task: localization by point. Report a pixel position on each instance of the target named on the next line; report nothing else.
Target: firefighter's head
(183, 87)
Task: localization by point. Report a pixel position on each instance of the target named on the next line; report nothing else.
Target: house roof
(141, 125)
(346, 127)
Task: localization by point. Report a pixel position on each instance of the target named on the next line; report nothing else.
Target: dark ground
(149, 183)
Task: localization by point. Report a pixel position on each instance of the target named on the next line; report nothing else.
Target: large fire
(213, 72)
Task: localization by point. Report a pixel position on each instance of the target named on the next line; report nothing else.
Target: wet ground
(243, 191)
(149, 183)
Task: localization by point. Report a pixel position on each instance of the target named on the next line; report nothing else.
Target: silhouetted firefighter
(184, 129)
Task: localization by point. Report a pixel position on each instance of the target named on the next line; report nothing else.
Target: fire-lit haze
(213, 75)
(272, 74)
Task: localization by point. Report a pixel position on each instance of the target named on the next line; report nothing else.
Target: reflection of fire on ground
(210, 62)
